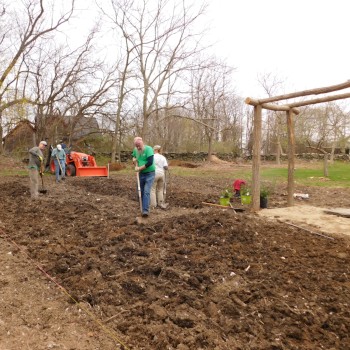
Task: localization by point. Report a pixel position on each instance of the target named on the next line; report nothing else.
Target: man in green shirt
(142, 157)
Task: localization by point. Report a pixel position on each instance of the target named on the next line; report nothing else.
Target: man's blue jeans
(58, 169)
(146, 182)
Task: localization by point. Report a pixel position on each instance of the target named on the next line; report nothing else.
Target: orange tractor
(81, 164)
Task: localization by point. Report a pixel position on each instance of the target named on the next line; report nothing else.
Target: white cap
(157, 147)
(59, 147)
(43, 142)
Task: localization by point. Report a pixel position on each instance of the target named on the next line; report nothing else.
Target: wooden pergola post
(291, 157)
(256, 158)
(290, 109)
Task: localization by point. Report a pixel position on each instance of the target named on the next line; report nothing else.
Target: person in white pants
(157, 191)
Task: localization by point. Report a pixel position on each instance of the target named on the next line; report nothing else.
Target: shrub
(245, 190)
(226, 193)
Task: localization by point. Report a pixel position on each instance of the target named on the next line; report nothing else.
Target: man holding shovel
(36, 166)
(59, 157)
(145, 171)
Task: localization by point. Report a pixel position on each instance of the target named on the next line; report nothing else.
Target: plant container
(224, 201)
(263, 202)
(246, 199)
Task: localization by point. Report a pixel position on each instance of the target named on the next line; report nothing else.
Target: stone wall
(232, 157)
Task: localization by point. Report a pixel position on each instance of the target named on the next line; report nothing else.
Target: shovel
(59, 164)
(165, 205)
(140, 220)
(43, 190)
(139, 190)
(164, 187)
(225, 207)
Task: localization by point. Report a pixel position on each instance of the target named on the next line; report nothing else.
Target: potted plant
(225, 197)
(264, 193)
(246, 194)
(265, 190)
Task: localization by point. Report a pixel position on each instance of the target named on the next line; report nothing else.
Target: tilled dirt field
(191, 277)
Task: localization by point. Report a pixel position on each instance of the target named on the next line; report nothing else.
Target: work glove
(41, 158)
(137, 168)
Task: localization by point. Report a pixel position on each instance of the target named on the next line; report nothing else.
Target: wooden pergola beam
(319, 100)
(269, 106)
(318, 91)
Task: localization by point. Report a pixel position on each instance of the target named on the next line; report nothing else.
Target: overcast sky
(303, 42)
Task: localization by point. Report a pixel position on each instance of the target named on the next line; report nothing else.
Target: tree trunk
(1, 133)
(114, 147)
(278, 143)
(115, 138)
(278, 150)
(332, 153)
(210, 148)
(144, 134)
(325, 164)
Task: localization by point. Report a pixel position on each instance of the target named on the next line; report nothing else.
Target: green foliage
(102, 159)
(264, 192)
(245, 190)
(226, 193)
(266, 188)
(226, 147)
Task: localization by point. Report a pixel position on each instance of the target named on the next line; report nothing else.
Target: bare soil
(78, 272)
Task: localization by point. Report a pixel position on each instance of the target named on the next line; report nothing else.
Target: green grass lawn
(308, 174)
(338, 174)
(14, 172)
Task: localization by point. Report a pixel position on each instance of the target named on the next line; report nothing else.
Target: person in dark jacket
(36, 166)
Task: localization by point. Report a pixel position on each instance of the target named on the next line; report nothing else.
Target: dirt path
(312, 218)
(36, 314)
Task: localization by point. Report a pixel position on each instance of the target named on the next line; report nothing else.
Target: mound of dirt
(116, 167)
(216, 160)
(183, 164)
(190, 277)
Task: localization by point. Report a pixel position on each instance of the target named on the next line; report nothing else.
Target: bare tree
(70, 85)
(22, 28)
(336, 120)
(162, 42)
(209, 88)
(125, 64)
(320, 149)
(272, 84)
